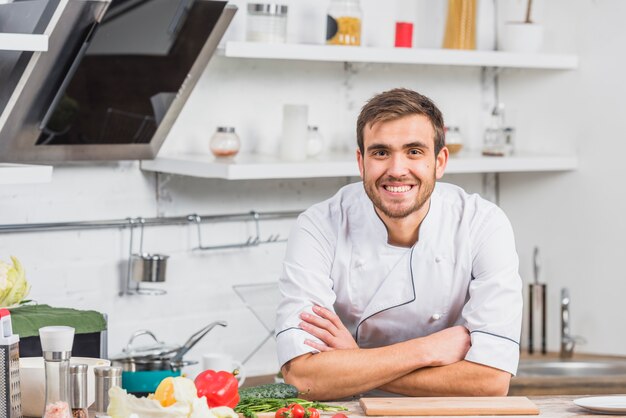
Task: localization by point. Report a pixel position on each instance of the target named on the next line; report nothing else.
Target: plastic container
(225, 142)
(343, 23)
(267, 22)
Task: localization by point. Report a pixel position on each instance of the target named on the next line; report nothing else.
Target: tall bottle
(343, 23)
(56, 345)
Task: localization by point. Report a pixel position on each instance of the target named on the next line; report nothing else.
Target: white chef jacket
(463, 270)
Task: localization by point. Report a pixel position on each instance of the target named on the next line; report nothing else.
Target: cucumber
(272, 390)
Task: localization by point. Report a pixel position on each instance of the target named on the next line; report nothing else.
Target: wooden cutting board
(505, 405)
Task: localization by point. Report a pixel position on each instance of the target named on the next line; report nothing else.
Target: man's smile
(398, 188)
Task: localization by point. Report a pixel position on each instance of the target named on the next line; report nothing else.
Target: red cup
(404, 35)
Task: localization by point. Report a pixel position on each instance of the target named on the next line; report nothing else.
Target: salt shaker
(78, 384)
(106, 378)
(56, 344)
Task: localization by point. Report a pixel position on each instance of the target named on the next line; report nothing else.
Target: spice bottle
(225, 142)
(106, 378)
(56, 344)
(454, 140)
(78, 384)
(343, 23)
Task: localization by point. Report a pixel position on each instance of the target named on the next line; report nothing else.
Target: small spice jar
(106, 378)
(267, 22)
(78, 385)
(454, 140)
(225, 142)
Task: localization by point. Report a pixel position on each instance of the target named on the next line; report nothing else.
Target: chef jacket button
(438, 259)
(436, 317)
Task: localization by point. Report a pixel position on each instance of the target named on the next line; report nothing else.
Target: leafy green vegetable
(13, 285)
(249, 407)
(272, 390)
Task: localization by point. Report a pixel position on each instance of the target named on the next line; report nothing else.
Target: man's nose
(398, 166)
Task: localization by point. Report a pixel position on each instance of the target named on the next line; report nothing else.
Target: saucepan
(143, 367)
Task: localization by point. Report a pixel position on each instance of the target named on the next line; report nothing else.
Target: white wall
(577, 224)
(577, 218)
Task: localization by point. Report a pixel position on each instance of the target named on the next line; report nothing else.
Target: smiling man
(400, 283)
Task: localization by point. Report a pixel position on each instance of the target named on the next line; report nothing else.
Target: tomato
(283, 413)
(339, 416)
(313, 413)
(297, 410)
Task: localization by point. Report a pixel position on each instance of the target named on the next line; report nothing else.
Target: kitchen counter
(549, 406)
(570, 385)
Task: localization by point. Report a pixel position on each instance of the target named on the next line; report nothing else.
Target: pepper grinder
(56, 345)
(537, 328)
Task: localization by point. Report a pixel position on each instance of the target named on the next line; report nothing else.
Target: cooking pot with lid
(143, 367)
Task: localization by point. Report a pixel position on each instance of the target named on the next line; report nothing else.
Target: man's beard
(423, 194)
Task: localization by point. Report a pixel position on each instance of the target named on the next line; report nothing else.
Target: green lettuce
(13, 285)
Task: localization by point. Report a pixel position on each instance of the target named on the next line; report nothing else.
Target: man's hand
(326, 326)
(448, 345)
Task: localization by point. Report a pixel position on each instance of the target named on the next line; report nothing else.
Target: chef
(400, 283)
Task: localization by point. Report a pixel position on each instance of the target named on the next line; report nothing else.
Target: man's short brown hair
(395, 104)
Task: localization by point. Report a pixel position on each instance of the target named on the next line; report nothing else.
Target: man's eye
(380, 153)
(415, 151)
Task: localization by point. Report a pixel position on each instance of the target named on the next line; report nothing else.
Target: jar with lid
(225, 142)
(343, 23)
(454, 140)
(78, 384)
(498, 139)
(267, 22)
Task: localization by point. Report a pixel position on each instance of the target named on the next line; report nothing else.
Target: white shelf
(255, 167)
(399, 55)
(24, 174)
(23, 42)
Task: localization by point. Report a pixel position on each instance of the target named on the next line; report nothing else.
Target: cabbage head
(13, 285)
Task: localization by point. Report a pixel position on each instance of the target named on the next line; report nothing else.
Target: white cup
(293, 139)
(223, 362)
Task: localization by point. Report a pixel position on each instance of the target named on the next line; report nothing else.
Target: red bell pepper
(219, 388)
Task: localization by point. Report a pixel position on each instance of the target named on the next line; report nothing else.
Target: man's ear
(359, 159)
(441, 162)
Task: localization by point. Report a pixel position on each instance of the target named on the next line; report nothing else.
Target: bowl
(33, 381)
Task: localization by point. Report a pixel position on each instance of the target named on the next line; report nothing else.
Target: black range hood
(113, 81)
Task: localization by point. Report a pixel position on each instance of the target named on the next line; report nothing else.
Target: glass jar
(454, 140)
(315, 142)
(499, 139)
(343, 23)
(225, 142)
(267, 22)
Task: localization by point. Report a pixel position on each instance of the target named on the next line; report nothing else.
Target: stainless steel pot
(149, 267)
(134, 365)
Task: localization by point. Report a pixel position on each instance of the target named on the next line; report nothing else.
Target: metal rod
(160, 221)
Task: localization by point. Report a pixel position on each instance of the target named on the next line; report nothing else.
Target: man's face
(399, 167)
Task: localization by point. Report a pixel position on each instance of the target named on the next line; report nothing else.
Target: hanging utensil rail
(159, 221)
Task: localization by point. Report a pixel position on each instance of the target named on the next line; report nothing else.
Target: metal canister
(106, 378)
(78, 394)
